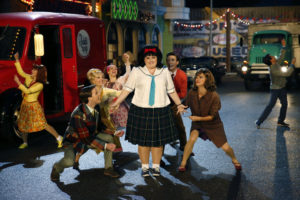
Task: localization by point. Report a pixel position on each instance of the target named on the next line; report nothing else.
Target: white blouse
(140, 81)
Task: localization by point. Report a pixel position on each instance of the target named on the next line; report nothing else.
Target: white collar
(174, 72)
(90, 109)
(146, 71)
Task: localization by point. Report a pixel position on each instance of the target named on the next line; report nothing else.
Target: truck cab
(72, 44)
(266, 39)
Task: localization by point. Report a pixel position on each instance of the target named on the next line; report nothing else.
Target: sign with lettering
(195, 41)
(83, 43)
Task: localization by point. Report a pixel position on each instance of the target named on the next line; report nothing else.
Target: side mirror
(38, 44)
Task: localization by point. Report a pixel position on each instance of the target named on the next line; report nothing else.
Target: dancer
(150, 120)
(180, 82)
(277, 87)
(82, 134)
(96, 77)
(32, 117)
(116, 82)
(205, 104)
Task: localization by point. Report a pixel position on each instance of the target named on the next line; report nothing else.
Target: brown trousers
(180, 126)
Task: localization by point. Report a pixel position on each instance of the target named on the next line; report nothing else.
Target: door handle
(74, 69)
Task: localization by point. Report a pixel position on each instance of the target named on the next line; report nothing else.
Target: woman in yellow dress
(32, 117)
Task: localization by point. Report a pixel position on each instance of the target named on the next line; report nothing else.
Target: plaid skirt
(31, 118)
(151, 127)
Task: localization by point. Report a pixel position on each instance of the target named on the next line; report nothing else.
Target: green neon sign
(124, 9)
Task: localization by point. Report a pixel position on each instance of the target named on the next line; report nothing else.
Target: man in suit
(81, 135)
(180, 82)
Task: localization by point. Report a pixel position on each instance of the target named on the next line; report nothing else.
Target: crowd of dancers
(144, 100)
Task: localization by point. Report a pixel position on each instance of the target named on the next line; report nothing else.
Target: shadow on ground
(192, 184)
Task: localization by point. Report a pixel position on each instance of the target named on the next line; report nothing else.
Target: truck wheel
(247, 84)
(10, 112)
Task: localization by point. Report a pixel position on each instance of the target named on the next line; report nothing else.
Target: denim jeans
(281, 94)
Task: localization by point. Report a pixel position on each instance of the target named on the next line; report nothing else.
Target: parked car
(191, 64)
(236, 62)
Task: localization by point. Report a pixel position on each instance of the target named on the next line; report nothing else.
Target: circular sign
(83, 43)
(193, 52)
(221, 39)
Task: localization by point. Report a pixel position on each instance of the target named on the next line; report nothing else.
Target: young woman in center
(205, 104)
(150, 122)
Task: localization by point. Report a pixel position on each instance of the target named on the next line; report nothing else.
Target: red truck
(72, 44)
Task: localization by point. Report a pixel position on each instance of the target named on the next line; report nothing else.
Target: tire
(10, 106)
(247, 84)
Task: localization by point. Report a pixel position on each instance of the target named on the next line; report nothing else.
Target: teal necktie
(152, 91)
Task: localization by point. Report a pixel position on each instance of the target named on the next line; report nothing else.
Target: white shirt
(174, 73)
(140, 81)
(90, 109)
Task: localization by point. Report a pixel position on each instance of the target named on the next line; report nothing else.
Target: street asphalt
(269, 157)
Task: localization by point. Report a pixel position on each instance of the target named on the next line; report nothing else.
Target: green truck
(266, 39)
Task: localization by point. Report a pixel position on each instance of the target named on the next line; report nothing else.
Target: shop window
(112, 44)
(155, 36)
(128, 40)
(142, 38)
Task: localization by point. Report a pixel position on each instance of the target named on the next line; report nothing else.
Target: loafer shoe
(257, 124)
(111, 172)
(54, 174)
(23, 146)
(282, 124)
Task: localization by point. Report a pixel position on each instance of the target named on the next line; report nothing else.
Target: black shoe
(54, 174)
(111, 172)
(181, 148)
(156, 171)
(76, 166)
(257, 124)
(145, 172)
(282, 124)
(162, 163)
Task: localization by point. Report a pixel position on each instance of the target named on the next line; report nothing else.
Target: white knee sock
(154, 166)
(145, 166)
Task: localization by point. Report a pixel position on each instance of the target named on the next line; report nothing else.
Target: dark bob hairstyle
(41, 76)
(150, 50)
(209, 82)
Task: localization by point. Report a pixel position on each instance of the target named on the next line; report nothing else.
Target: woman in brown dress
(205, 104)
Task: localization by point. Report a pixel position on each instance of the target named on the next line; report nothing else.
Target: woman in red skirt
(32, 117)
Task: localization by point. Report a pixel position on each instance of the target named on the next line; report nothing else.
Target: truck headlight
(244, 68)
(284, 68)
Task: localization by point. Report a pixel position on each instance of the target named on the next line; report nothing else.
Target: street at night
(269, 157)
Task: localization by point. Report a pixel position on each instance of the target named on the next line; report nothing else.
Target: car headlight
(244, 68)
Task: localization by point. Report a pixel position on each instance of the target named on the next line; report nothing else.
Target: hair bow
(150, 50)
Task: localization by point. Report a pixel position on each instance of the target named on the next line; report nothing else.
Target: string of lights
(240, 19)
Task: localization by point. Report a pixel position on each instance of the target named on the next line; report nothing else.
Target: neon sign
(124, 9)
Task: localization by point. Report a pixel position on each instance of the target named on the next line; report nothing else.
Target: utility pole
(210, 28)
(94, 8)
(228, 35)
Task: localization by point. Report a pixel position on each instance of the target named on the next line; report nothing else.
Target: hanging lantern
(39, 44)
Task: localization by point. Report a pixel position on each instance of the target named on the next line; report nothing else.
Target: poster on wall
(194, 41)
